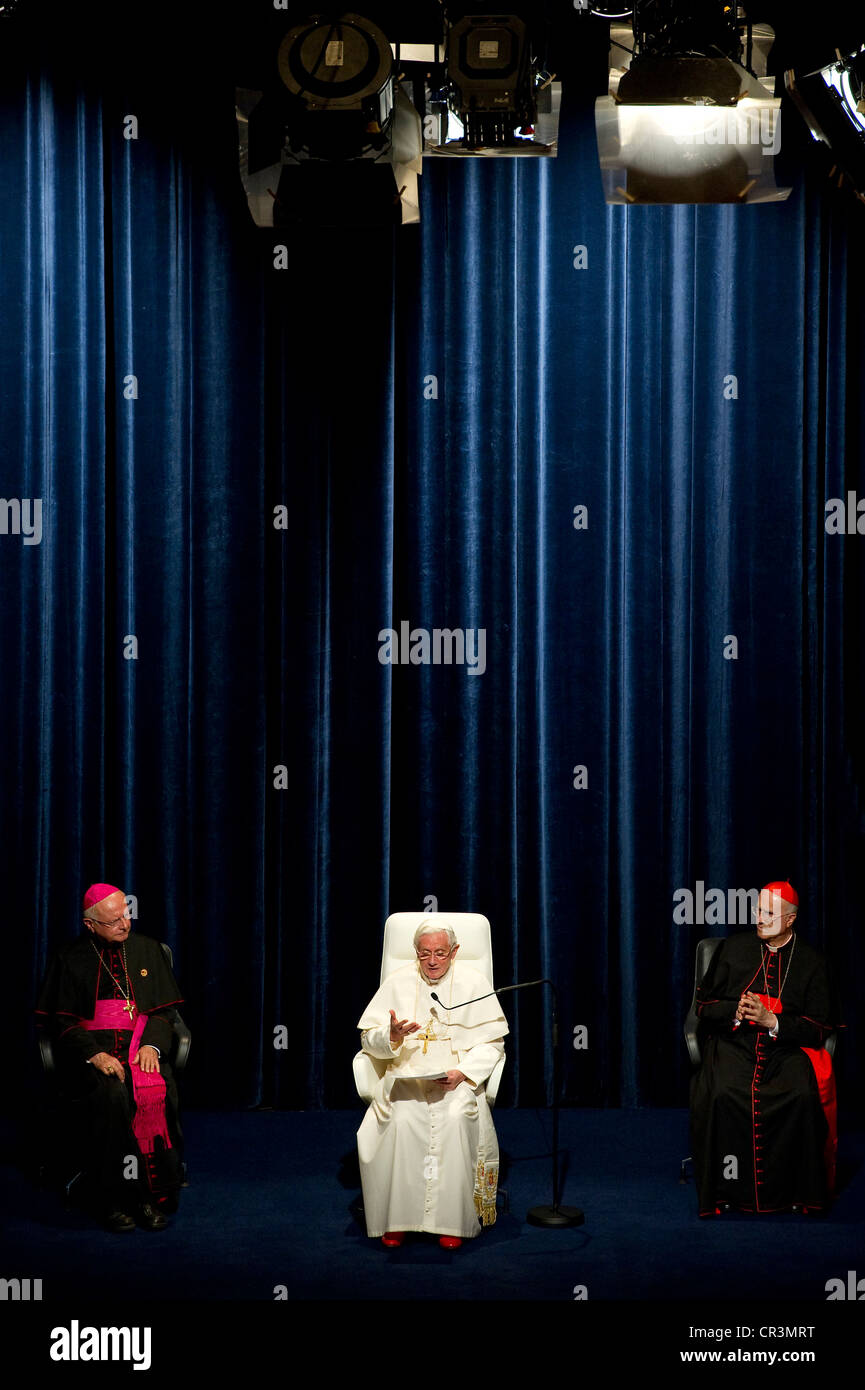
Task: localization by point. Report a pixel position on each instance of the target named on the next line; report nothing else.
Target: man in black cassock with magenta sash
(107, 1002)
(763, 1108)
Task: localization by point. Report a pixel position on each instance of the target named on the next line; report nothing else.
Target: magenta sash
(148, 1088)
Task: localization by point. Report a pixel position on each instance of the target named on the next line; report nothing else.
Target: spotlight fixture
(498, 98)
(339, 80)
(331, 99)
(686, 119)
(832, 103)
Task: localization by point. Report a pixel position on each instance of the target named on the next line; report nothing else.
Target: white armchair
(473, 934)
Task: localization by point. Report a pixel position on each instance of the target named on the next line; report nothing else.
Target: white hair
(430, 925)
(88, 913)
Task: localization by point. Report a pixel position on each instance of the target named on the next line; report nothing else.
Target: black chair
(705, 951)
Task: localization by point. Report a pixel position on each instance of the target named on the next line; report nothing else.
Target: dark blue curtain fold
(248, 474)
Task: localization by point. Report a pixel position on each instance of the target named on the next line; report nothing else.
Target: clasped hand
(751, 1009)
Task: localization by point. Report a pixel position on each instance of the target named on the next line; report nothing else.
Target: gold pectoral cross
(127, 1008)
(428, 1035)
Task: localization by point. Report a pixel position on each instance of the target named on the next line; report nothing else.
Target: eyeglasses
(115, 921)
(438, 955)
(767, 916)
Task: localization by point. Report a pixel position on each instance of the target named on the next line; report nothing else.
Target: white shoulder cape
(408, 993)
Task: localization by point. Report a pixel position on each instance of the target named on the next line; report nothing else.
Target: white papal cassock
(429, 1158)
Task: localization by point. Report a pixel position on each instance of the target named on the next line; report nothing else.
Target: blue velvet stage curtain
(693, 379)
(133, 637)
(594, 443)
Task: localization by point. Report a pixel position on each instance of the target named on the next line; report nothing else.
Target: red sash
(148, 1088)
(822, 1064)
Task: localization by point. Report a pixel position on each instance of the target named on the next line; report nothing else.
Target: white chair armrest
(494, 1080)
(367, 1072)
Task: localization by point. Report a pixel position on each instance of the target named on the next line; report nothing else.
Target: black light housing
(832, 104)
(499, 99)
(330, 98)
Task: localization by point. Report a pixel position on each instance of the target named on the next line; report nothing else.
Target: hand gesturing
(400, 1029)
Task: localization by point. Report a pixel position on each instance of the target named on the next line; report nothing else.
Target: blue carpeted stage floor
(272, 1207)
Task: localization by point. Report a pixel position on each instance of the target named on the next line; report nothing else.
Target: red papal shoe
(450, 1242)
(393, 1239)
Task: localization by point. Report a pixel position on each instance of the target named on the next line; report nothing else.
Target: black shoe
(119, 1223)
(149, 1219)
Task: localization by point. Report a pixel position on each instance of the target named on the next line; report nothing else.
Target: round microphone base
(555, 1216)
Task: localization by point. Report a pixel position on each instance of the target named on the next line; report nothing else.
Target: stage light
(500, 100)
(340, 77)
(685, 121)
(332, 100)
(832, 103)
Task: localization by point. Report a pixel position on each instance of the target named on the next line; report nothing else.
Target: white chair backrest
(472, 931)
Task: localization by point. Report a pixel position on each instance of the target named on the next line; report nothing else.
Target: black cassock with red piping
(763, 1110)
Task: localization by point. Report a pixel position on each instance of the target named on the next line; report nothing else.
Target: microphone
(555, 1215)
(504, 990)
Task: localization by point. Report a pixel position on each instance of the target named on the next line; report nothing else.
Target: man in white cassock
(429, 1158)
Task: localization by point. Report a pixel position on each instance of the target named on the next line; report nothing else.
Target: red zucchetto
(783, 890)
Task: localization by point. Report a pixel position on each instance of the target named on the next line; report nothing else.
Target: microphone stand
(555, 1215)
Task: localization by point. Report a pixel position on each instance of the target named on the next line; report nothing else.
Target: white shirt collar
(773, 949)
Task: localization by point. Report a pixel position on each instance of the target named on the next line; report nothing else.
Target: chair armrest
(368, 1071)
(493, 1080)
(183, 1040)
(692, 1041)
(46, 1052)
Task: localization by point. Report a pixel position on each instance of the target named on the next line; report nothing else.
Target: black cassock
(759, 1131)
(97, 1111)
